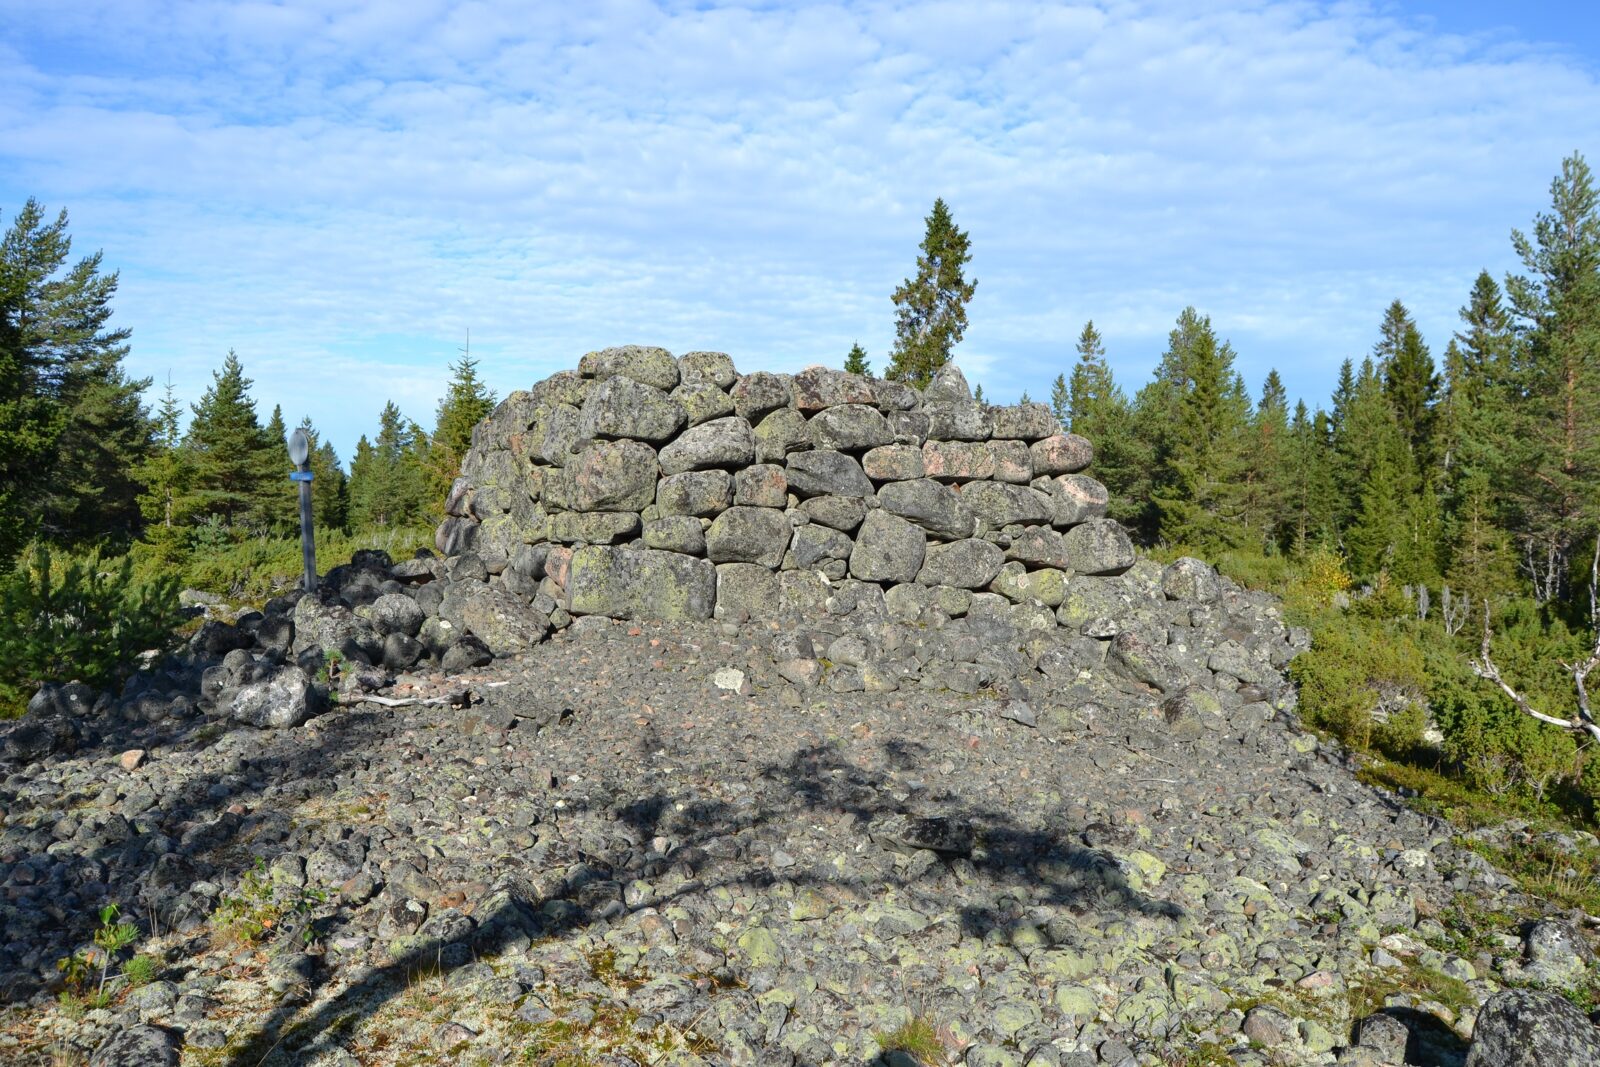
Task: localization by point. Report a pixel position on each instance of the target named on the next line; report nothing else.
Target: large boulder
(505, 624)
(1525, 1028)
(707, 368)
(1077, 498)
(1064, 453)
(893, 463)
(137, 1046)
(749, 535)
(720, 443)
(826, 474)
(819, 388)
(699, 493)
(949, 385)
(958, 461)
(964, 421)
(754, 395)
(627, 583)
(1025, 422)
(850, 428)
(651, 366)
(286, 699)
(965, 564)
(934, 507)
(610, 476)
(1099, 546)
(782, 432)
(395, 613)
(1003, 504)
(887, 549)
(622, 407)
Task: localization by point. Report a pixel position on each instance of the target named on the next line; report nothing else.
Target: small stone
(730, 678)
(132, 759)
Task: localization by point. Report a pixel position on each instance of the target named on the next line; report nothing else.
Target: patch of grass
(916, 1037)
(1548, 868)
(1368, 992)
(259, 909)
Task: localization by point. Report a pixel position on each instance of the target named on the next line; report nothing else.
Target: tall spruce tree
(72, 426)
(167, 476)
(467, 402)
(1313, 494)
(388, 480)
(330, 489)
(1094, 406)
(931, 308)
(1410, 382)
(1380, 460)
(1557, 304)
(280, 506)
(1268, 481)
(1198, 491)
(236, 465)
(856, 361)
(1061, 401)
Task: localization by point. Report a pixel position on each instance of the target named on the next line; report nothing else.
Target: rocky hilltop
(751, 719)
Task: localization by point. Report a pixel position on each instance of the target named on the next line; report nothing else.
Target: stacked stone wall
(644, 485)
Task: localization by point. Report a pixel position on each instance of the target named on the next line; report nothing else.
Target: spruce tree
(1408, 380)
(72, 426)
(1557, 303)
(388, 480)
(1267, 484)
(1199, 491)
(467, 402)
(279, 507)
(856, 361)
(330, 489)
(1061, 401)
(166, 476)
(931, 308)
(1380, 460)
(229, 451)
(1313, 495)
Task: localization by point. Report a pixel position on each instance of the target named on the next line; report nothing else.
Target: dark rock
(1526, 1028)
(137, 1046)
(887, 549)
(754, 395)
(749, 535)
(934, 507)
(826, 474)
(720, 443)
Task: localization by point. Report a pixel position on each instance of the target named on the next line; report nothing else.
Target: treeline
(84, 463)
(1479, 470)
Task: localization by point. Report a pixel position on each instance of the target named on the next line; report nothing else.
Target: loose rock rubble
(579, 799)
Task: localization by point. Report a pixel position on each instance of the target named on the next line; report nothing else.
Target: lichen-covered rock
(725, 443)
(965, 564)
(1002, 504)
(957, 461)
(949, 385)
(699, 493)
(394, 613)
(893, 463)
(555, 435)
(627, 583)
(1099, 546)
(1526, 1028)
(782, 432)
(826, 474)
(850, 428)
(819, 388)
(676, 533)
(749, 535)
(1064, 453)
(754, 395)
(285, 699)
(814, 545)
(746, 591)
(505, 624)
(837, 512)
(893, 396)
(1025, 422)
(610, 476)
(762, 485)
(959, 421)
(936, 508)
(1039, 546)
(887, 549)
(1077, 498)
(651, 366)
(622, 407)
(1190, 579)
(592, 527)
(708, 368)
(137, 1046)
(1012, 462)
(702, 403)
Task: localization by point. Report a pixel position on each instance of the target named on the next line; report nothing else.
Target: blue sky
(340, 191)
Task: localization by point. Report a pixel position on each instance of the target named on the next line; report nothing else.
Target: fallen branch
(1583, 721)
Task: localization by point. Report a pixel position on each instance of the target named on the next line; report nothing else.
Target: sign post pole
(300, 454)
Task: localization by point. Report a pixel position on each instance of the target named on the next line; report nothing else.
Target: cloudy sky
(341, 191)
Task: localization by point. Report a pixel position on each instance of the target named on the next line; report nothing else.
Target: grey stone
(960, 421)
(1001, 504)
(957, 461)
(1192, 712)
(707, 368)
(137, 1046)
(1099, 546)
(850, 428)
(284, 700)
(819, 388)
(651, 366)
(395, 613)
(754, 395)
(749, 535)
(504, 624)
(746, 591)
(838, 512)
(702, 403)
(1064, 453)
(1012, 461)
(720, 443)
(893, 463)
(1077, 498)
(1525, 1028)
(467, 652)
(592, 527)
(949, 385)
(455, 536)
(1190, 579)
(893, 396)
(676, 533)
(699, 493)
(1039, 546)
(1556, 954)
(557, 432)
(640, 584)
(782, 432)
(814, 545)
(622, 407)
(887, 549)
(934, 507)
(1025, 422)
(964, 564)
(826, 474)
(609, 476)
(761, 485)
(908, 427)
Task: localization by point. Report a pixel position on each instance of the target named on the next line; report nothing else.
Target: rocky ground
(872, 834)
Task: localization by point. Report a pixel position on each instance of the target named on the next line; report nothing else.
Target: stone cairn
(648, 487)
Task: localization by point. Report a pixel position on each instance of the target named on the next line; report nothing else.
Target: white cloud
(349, 187)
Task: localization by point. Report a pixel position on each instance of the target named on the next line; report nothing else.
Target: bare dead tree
(1454, 611)
(1583, 721)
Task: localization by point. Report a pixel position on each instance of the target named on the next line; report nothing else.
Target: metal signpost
(300, 456)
